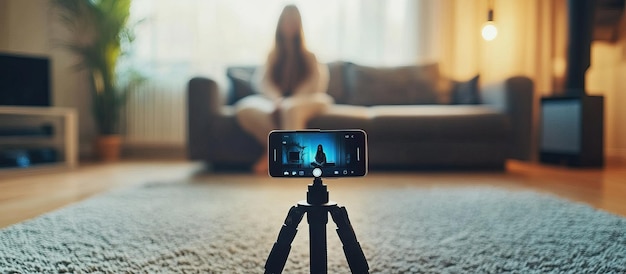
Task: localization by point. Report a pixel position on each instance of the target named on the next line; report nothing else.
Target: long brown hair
(298, 71)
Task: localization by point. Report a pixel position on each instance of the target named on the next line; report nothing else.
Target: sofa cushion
(240, 83)
(465, 92)
(340, 116)
(336, 82)
(368, 86)
(440, 122)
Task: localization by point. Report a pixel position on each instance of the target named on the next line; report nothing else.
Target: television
(294, 156)
(561, 126)
(24, 80)
(572, 131)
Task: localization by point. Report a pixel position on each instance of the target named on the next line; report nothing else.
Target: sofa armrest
(203, 105)
(514, 96)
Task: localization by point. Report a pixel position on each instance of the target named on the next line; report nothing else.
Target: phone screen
(338, 153)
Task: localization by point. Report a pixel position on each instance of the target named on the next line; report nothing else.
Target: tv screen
(24, 80)
(294, 156)
(561, 126)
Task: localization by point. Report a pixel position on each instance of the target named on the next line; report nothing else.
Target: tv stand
(63, 137)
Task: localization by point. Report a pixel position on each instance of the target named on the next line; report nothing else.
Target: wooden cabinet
(61, 140)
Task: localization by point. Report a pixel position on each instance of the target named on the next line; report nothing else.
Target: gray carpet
(221, 228)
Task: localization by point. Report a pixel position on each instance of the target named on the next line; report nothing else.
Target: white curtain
(178, 39)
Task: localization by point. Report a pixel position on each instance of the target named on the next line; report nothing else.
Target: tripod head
(318, 192)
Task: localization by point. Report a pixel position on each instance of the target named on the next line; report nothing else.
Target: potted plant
(99, 35)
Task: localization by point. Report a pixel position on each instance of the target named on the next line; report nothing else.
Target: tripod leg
(351, 247)
(280, 251)
(317, 216)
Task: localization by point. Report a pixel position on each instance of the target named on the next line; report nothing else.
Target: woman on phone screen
(292, 86)
(320, 157)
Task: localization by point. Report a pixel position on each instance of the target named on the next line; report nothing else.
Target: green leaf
(100, 27)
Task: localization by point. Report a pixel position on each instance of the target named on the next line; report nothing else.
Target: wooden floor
(27, 196)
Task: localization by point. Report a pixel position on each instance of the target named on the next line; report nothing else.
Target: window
(180, 39)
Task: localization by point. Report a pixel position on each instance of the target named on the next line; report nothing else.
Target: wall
(531, 42)
(29, 27)
(4, 22)
(539, 49)
(24, 17)
(606, 76)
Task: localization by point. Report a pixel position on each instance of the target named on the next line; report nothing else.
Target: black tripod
(317, 208)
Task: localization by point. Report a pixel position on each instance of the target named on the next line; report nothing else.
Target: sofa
(415, 118)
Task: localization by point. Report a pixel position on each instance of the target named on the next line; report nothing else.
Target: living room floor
(28, 196)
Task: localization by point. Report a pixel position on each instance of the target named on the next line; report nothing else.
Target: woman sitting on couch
(292, 86)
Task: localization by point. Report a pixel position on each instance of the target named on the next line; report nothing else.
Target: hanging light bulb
(489, 31)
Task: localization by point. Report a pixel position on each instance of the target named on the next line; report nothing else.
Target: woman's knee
(255, 102)
(315, 101)
(246, 116)
(324, 98)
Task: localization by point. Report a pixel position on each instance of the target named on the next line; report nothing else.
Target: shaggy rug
(226, 228)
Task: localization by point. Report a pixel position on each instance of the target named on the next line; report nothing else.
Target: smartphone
(337, 153)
